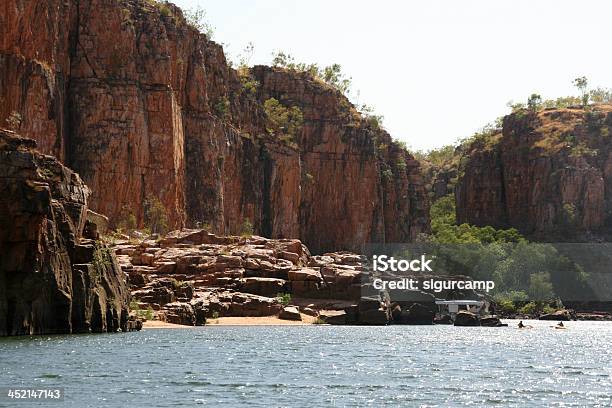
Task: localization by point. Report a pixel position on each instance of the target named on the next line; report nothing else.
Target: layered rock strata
(145, 108)
(55, 276)
(548, 174)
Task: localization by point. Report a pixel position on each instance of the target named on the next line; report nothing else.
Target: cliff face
(141, 105)
(549, 174)
(53, 279)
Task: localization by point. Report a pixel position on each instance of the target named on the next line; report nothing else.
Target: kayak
(559, 327)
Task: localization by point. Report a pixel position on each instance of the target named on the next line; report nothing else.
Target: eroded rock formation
(548, 174)
(141, 105)
(191, 275)
(55, 277)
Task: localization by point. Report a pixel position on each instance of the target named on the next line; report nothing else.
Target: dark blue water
(317, 366)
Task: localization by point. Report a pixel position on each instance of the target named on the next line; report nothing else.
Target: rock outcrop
(144, 107)
(191, 275)
(548, 174)
(55, 276)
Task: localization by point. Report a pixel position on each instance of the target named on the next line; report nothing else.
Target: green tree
(582, 83)
(534, 102)
(285, 123)
(155, 215)
(540, 287)
(196, 17)
(247, 228)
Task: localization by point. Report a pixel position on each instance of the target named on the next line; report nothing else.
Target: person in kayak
(521, 325)
(560, 324)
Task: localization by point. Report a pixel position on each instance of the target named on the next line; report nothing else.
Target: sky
(437, 70)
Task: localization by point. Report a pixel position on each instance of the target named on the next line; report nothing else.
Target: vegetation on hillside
(283, 122)
(522, 271)
(196, 18)
(331, 75)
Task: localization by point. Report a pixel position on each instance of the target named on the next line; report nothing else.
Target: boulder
(179, 313)
(134, 324)
(268, 287)
(416, 314)
(465, 318)
(559, 315)
(334, 317)
(309, 311)
(444, 319)
(491, 321)
(290, 313)
(374, 317)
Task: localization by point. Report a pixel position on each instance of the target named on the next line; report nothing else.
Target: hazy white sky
(436, 70)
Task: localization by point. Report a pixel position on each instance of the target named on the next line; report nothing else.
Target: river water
(318, 366)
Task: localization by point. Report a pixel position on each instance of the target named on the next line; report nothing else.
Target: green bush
(529, 309)
(156, 219)
(149, 314)
(247, 228)
(249, 85)
(285, 123)
(331, 75)
(506, 306)
(196, 18)
(127, 220)
(221, 107)
(283, 298)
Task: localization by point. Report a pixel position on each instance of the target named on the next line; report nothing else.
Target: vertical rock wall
(141, 105)
(52, 280)
(549, 175)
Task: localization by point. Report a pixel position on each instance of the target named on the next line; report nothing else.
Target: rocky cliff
(54, 276)
(548, 173)
(141, 105)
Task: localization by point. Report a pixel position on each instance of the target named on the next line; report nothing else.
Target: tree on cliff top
(581, 83)
(196, 18)
(331, 74)
(534, 102)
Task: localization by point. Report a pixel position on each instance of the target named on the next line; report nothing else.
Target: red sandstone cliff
(549, 174)
(128, 95)
(52, 279)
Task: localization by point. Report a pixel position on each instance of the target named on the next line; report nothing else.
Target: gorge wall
(54, 276)
(548, 174)
(141, 105)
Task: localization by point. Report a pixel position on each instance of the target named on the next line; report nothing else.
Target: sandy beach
(234, 321)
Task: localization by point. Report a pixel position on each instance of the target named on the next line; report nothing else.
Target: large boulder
(559, 315)
(334, 317)
(465, 318)
(290, 313)
(491, 321)
(179, 313)
(415, 314)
